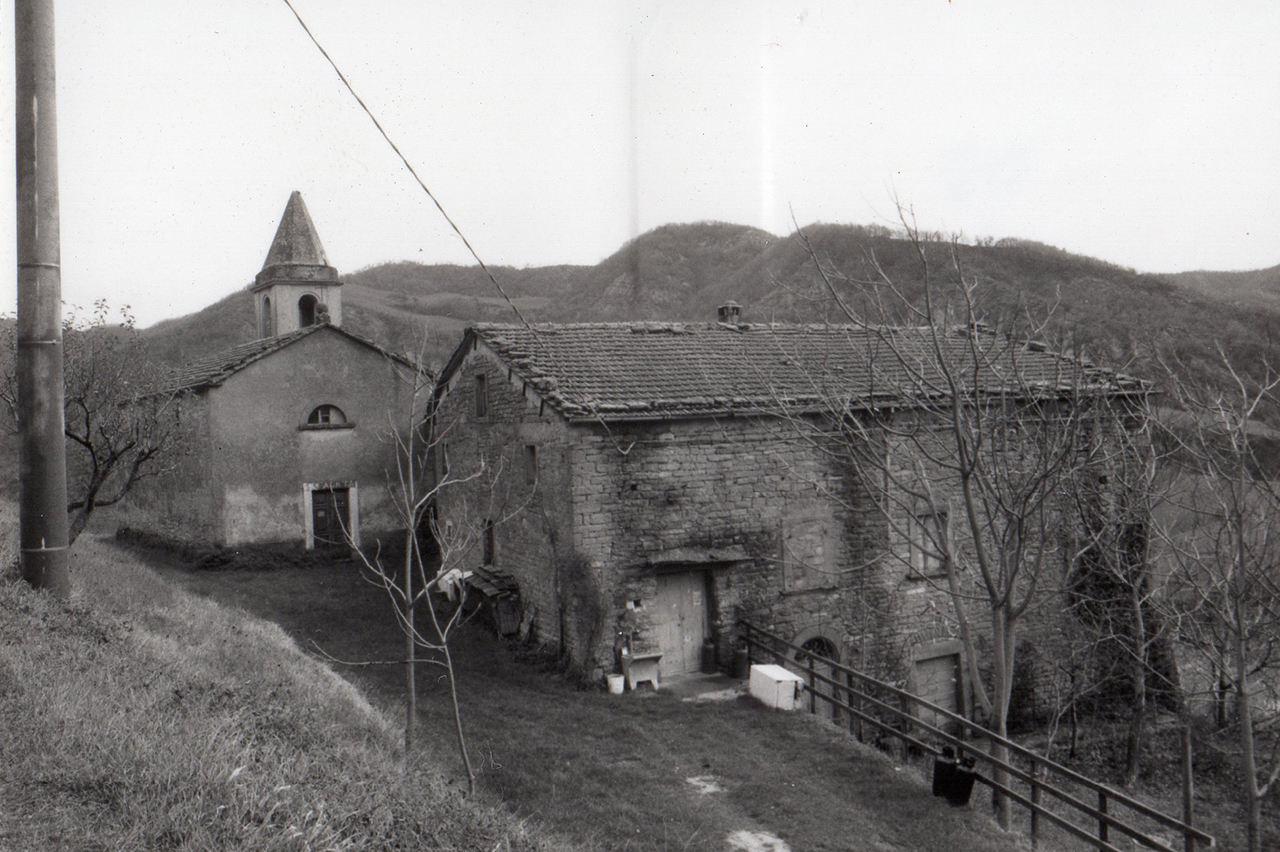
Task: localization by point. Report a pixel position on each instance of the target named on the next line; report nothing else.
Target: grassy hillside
(668, 272)
(142, 716)
(1114, 313)
(1259, 287)
(685, 271)
(155, 719)
(221, 325)
(613, 772)
(390, 304)
(381, 315)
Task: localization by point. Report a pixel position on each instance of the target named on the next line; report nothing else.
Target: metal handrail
(1106, 794)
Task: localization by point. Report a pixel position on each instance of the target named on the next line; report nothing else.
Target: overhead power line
(407, 164)
(452, 224)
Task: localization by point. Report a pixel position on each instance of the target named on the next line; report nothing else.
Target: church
(289, 436)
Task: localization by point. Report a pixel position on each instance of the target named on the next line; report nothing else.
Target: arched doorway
(818, 652)
(307, 310)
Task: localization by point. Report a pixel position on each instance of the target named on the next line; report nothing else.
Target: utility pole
(41, 425)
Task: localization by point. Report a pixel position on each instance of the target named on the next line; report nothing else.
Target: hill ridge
(683, 271)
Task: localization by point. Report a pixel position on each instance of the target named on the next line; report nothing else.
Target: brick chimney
(729, 313)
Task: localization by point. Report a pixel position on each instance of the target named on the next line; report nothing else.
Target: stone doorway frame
(942, 644)
(353, 509)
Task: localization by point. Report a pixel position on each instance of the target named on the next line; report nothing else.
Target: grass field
(611, 772)
(143, 717)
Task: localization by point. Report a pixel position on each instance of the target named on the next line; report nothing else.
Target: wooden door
(681, 621)
(330, 517)
(817, 654)
(937, 680)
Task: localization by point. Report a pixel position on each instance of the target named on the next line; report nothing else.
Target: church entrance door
(330, 517)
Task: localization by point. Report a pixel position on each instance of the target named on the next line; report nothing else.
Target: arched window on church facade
(326, 415)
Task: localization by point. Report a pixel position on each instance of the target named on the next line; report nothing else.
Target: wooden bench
(639, 668)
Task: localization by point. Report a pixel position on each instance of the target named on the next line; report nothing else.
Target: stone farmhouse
(649, 492)
(287, 435)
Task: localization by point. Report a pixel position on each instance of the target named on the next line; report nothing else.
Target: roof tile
(648, 370)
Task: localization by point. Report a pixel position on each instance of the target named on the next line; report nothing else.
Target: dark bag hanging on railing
(953, 779)
(944, 770)
(962, 782)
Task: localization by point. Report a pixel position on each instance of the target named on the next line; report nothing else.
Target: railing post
(848, 699)
(1104, 827)
(1188, 790)
(1035, 800)
(907, 728)
(813, 698)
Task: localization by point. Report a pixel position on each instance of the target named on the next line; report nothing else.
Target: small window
(809, 557)
(326, 415)
(926, 539)
(530, 464)
(488, 542)
(482, 397)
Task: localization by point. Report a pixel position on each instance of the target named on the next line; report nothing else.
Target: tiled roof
(214, 370)
(492, 582)
(656, 370)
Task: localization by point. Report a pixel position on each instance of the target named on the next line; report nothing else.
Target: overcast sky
(1147, 134)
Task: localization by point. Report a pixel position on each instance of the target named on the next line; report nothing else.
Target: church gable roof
(212, 371)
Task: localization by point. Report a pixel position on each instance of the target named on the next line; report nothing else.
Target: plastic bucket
(616, 683)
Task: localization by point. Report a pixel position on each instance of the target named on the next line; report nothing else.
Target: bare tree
(426, 582)
(1223, 539)
(121, 425)
(971, 430)
(1117, 592)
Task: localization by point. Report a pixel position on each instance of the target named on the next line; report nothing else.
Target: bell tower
(296, 287)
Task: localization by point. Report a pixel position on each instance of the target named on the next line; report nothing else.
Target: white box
(775, 686)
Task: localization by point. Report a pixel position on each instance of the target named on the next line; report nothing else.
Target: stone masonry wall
(486, 462)
(707, 487)
(923, 612)
(787, 534)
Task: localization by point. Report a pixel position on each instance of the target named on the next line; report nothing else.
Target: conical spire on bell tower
(296, 287)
